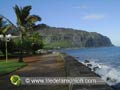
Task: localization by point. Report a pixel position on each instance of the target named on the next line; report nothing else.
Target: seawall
(74, 68)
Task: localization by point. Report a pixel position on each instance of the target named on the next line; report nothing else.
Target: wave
(110, 75)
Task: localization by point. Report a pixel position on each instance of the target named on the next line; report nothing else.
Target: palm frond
(1, 21)
(5, 29)
(24, 19)
(26, 11)
(22, 14)
(18, 14)
(33, 18)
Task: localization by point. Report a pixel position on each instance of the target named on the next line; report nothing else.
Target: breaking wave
(110, 75)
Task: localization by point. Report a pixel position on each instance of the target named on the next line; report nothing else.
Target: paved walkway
(44, 66)
(52, 66)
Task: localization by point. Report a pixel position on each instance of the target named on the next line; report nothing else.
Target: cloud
(94, 16)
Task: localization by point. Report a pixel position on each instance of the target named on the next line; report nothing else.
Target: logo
(15, 80)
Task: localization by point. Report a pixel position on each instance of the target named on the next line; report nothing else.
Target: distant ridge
(67, 38)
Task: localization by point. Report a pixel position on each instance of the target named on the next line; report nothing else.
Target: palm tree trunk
(21, 48)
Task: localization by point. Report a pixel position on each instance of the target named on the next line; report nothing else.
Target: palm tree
(24, 23)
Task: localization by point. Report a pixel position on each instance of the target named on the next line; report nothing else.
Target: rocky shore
(76, 69)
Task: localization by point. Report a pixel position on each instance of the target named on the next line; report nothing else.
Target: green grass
(10, 66)
(62, 44)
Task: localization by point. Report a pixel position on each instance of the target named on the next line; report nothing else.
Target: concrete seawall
(76, 69)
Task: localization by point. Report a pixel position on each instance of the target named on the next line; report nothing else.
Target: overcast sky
(102, 16)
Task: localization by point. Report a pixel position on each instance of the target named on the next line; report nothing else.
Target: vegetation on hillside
(58, 45)
(67, 37)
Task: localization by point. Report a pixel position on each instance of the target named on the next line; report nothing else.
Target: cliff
(67, 37)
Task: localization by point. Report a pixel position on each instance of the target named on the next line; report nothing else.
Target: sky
(102, 16)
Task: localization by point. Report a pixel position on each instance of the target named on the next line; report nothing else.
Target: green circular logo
(15, 80)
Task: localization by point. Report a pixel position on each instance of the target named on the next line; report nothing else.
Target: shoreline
(74, 68)
(75, 48)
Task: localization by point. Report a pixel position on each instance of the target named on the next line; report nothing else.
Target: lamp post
(6, 38)
(21, 53)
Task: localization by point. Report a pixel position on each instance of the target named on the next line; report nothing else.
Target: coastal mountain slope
(68, 38)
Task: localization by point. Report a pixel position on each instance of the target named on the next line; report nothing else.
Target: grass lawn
(10, 66)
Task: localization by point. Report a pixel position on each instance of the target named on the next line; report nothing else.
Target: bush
(29, 44)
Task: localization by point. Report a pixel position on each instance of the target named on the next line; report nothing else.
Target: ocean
(107, 58)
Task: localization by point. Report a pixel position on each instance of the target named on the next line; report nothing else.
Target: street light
(6, 38)
(20, 56)
(1, 36)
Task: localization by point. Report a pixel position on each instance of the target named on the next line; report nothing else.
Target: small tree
(37, 42)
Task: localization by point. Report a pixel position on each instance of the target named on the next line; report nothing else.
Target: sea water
(107, 58)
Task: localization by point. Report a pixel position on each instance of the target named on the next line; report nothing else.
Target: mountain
(66, 37)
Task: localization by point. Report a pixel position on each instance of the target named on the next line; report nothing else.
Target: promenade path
(38, 66)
